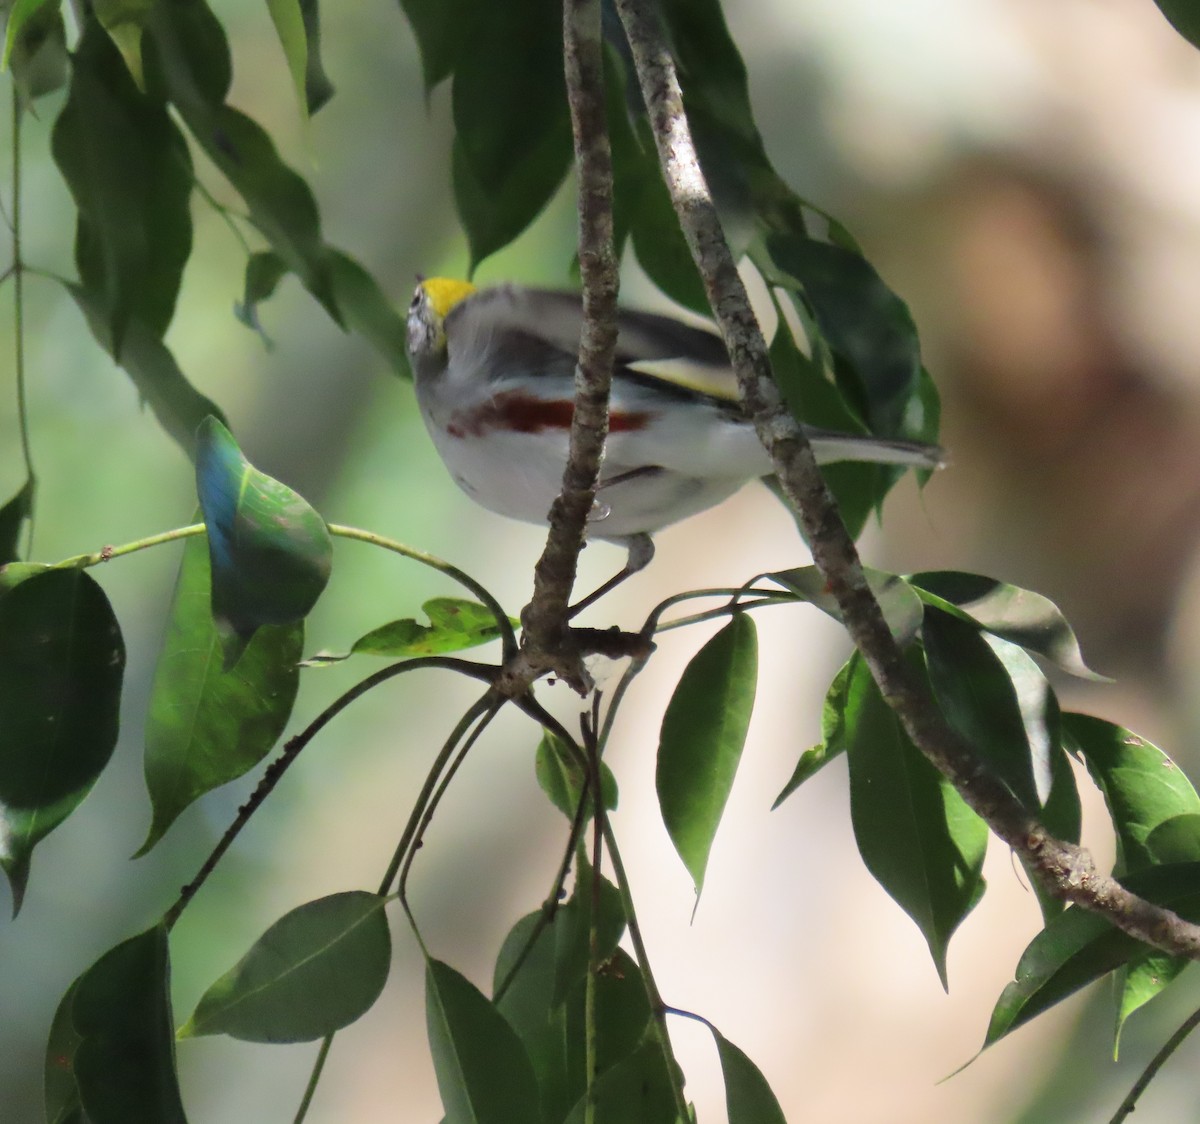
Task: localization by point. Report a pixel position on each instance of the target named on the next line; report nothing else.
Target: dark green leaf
(833, 744)
(454, 624)
(1012, 723)
(1139, 981)
(483, 1072)
(512, 126)
(61, 665)
(915, 834)
(264, 271)
(1027, 619)
(1078, 947)
(700, 744)
(35, 48)
(289, 26)
(125, 1061)
(572, 931)
(637, 1090)
(863, 322)
(438, 26)
(124, 21)
(193, 70)
(129, 171)
(179, 407)
(366, 310)
(901, 607)
(748, 1097)
(318, 89)
(316, 970)
(1063, 817)
(659, 244)
(270, 552)
(206, 726)
(1184, 17)
(13, 517)
(561, 776)
(59, 1087)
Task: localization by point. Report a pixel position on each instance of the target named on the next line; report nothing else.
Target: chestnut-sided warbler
(494, 371)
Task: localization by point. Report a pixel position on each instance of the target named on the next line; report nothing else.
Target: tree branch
(1066, 871)
(547, 642)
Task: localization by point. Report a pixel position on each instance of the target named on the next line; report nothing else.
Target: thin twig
(18, 271)
(1066, 871)
(1156, 1063)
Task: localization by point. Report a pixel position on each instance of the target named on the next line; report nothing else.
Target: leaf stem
(310, 1089)
(1156, 1063)
(107, 553)
(291, 751)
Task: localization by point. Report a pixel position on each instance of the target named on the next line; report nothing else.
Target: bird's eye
(416, 301)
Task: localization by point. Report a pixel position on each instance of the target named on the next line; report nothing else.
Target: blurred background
(1027, 176)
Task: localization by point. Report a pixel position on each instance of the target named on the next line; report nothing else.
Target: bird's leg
(641, 551)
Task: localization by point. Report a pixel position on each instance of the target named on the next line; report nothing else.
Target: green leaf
(61, 665)
(124, 21)
(901, 607)
(1078, 947)
(206, 726)
(179, 407)
(483, 1072)
(1184, 17)
(512, 143)
(317, 969)
(1027, 619)
(1156, 813)
(454, 624)
(125, 1061)
(572, 930)
(863, 322)
(637, 1090)
(917, 837)
(289, 26)
(35, 48)
(1011, 722)
(60, 1090)
(318, 89)
(1063, 816)
(270, 552)
(700, 744)
(366, 310)
(562, 777)
(748, 1097)
(13, 517)
(659, 244)
(438, 26)
(264, 271)
(14, 573)
(192, 68)
(130, 173)
(833, 744)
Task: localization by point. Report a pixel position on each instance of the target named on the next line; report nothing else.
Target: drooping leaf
(833, 741)
(454, 624)
(918, 838)
(12, 574)
(317, 969)
(438, 26)
(129, 172)
(13, 517)
(179, 407)
(125, 1060)
(1184, 17)
(748, 1097)
(562, 776)
(1078, 947)
(1155, 811)
(368, 312)
(264, 271)
(270, 552)
(512, 127)
(60, 1091)
(659, 244)
(863, 322)
(1027, 619)
(483, 1072)
(637, 1090)
(901, 607)
(289, 26)
(61, 665)
(124, 20)
(700, 744)
(981, 700)
(1062, 814)
(207, 726)
(318, 89)
(35, 48)
(572, 930)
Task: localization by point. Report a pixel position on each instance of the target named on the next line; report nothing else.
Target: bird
(494, 367)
